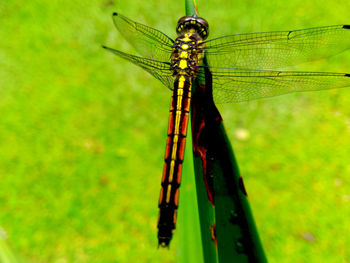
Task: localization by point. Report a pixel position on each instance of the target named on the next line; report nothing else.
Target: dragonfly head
(193, 24)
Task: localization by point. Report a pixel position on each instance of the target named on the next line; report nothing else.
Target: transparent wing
(148, 42)
(236, 85)
(276, 50)
(160, 70)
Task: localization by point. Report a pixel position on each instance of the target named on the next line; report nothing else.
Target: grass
(82, 136)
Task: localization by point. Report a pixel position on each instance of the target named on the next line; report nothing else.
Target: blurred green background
(82, 135)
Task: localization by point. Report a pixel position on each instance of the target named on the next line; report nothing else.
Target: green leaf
(225, 216)
(188, 220)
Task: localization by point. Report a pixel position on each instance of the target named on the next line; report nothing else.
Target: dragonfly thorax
(187, 54)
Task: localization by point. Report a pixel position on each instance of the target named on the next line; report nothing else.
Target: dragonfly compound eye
(194, 25)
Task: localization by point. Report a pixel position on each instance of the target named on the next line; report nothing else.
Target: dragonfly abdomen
(174, 155)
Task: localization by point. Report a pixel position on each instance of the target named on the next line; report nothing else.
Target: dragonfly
(243, 67)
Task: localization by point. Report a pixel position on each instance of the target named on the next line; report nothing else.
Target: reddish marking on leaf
(205, 117)
(201, 151)
(213, 234)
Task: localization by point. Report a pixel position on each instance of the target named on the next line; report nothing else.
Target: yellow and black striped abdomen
(174, 155)
(185, 60)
